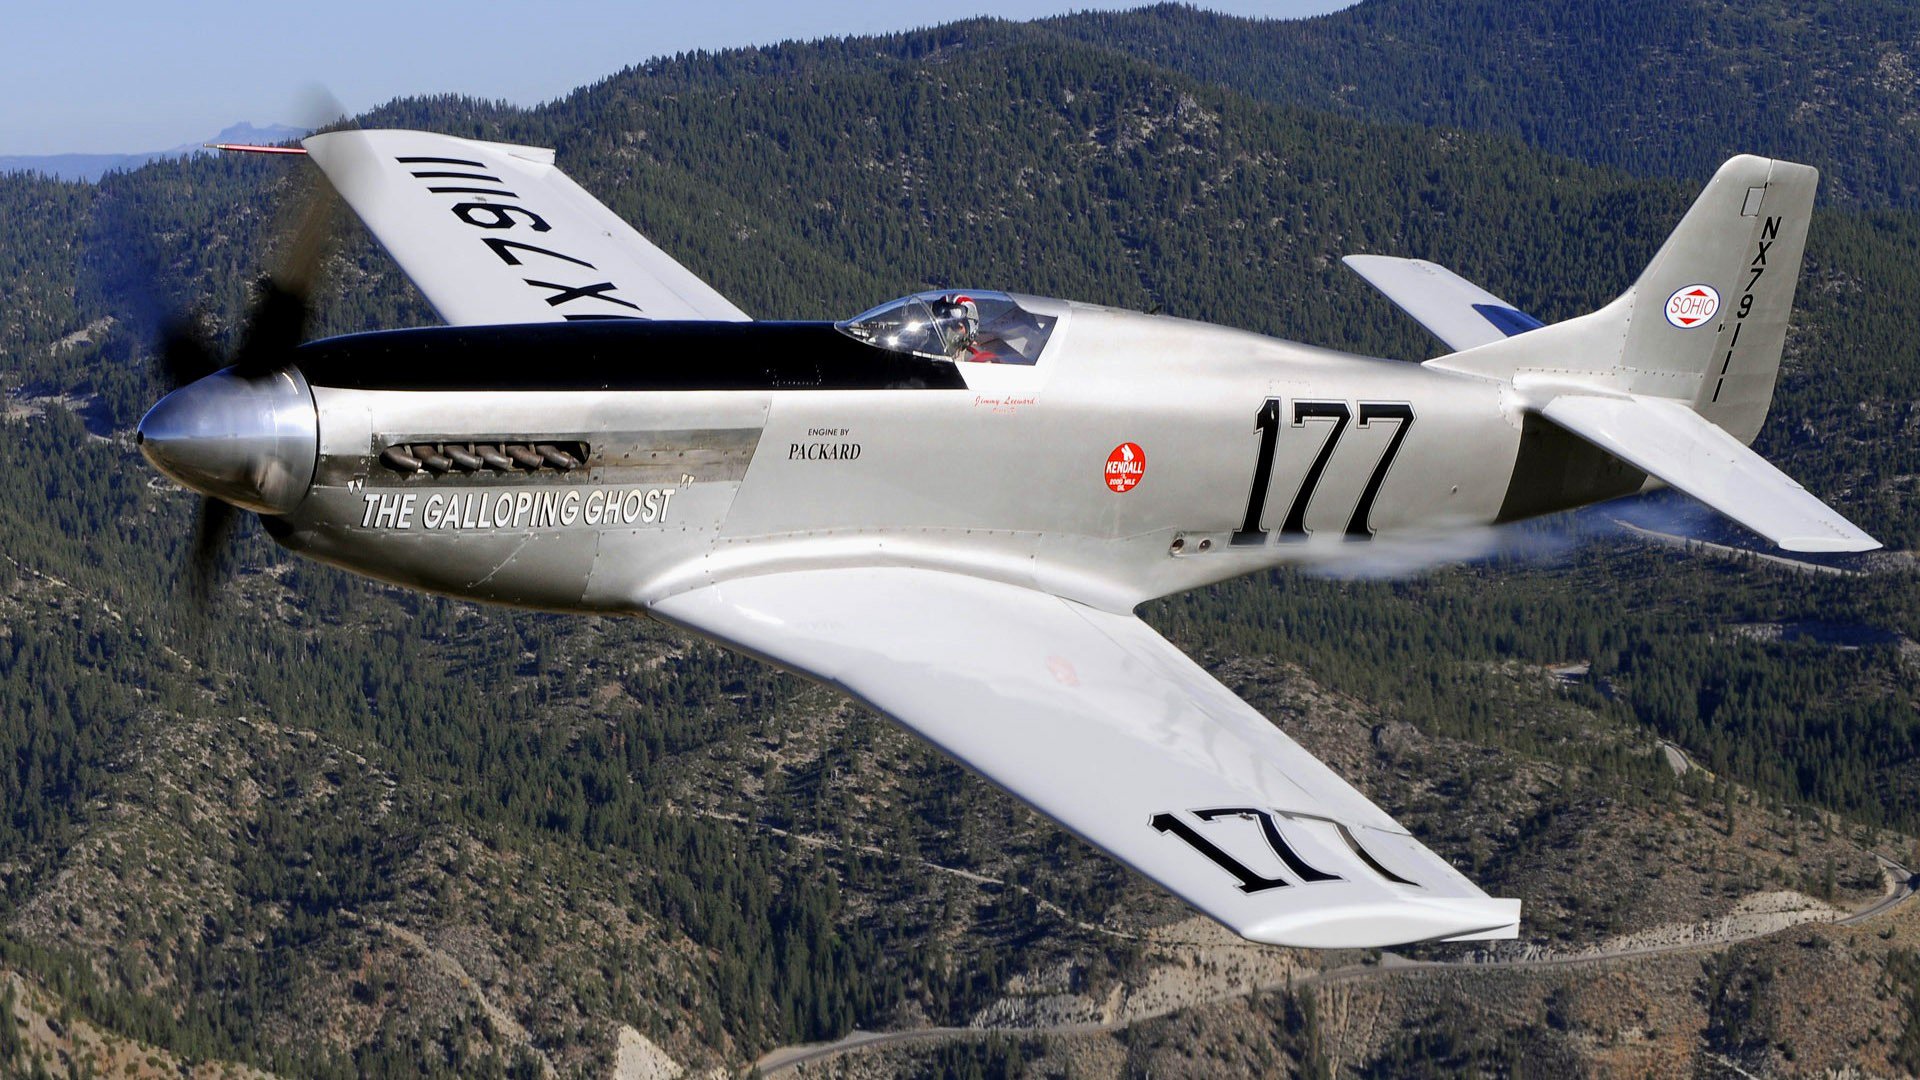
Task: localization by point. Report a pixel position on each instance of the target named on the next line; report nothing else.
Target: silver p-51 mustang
(949, 506)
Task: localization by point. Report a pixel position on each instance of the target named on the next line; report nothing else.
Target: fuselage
(1127, 463)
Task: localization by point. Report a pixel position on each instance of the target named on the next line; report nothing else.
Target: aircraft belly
(931, 478)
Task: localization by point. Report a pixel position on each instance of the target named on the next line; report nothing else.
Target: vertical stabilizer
(1710, 312)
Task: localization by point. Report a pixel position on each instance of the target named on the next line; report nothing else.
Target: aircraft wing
(1104, 726)
(493, 233)
(1453, 309)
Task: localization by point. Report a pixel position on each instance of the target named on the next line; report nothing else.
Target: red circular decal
(1125, 466)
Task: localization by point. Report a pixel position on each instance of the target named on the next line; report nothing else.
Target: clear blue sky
(132, 75)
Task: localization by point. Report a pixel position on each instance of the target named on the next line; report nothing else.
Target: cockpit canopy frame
(958, 325)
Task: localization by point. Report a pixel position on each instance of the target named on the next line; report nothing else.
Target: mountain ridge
(338, 830)
(1665, 88)
(89, 168)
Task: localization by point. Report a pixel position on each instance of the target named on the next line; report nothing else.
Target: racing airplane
(949, 506)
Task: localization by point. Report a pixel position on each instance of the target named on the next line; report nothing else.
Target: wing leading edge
(494, 233)
(1101, 724)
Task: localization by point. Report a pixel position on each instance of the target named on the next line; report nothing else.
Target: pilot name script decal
(454, 511)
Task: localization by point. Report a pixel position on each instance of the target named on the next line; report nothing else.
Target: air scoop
(251, 442)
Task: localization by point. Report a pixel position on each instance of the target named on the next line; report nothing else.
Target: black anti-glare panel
(618, 354)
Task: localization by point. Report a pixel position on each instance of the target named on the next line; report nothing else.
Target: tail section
(1673, 379)
(1705, 322)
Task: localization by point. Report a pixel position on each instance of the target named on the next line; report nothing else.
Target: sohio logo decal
(1125, 466)
(1691, 305)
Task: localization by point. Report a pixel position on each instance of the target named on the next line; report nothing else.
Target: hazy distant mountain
(91, 167)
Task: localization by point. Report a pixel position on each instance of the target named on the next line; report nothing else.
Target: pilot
(959, 320)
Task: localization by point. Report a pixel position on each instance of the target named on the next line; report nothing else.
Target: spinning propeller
(241, 430)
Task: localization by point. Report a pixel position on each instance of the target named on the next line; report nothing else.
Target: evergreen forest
(220, 825)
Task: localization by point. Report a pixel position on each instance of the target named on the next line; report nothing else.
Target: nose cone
(248, 441)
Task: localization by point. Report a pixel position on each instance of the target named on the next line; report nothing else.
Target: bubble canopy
(961, 325)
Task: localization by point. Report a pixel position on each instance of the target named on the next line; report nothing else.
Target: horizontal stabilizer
(1669, 440)
(1458, 312)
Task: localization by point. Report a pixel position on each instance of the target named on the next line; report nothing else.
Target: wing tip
(1853, 542)
(1393, 922)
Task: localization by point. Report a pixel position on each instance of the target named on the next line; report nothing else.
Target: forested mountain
(1659, 87)
(334, 830)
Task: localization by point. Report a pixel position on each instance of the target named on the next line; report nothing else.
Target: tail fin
(1705, 322)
